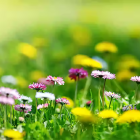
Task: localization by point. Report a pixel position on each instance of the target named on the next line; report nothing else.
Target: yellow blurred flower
(86, 61)
(69, 80)
(35, 75)
(124, 75)
(129, 116)
(106, 47)
(21, 82)
(39, 42)
(108, 114)
(27, 50)
(89, 62)
(76, 60)
(81, 35)
(129, 64)
(12, 134)
(83, 114)
(70, 101)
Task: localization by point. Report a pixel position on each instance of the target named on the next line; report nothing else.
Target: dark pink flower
(88, 103)
(62, 101)
(53, 80)
(23, 108)
(37, 86)
(77, 74)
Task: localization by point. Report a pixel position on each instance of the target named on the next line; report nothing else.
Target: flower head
(23, 108)
(71, 103)
(129, 117)
(37, 86)
(8, 92)
(9, 79)
(106, 47)
(83, 114)
(135, 79)
(112, 95)
(108, 114)
(47, 95)
(124, 75)
(62, 101)
(13, 134)
(53, 80)
(21, 119)
(77, 74)
(42, 106)
(5, 100)
(24, 99)
(88, 103)
(102, 74)
(28, 50)
(86, 61)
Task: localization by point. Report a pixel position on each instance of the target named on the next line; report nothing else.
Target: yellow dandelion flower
(83, 114)
(129, 116)
(81, 35)
(129, 64)
(27, 50)
(89, 62)
(21, 82)
(39, 42)
(35, 75)
(108, 114)
(69, 80)
(71, 105)
(76, 60)
(124, 75)
(13, 134)
(106, 47)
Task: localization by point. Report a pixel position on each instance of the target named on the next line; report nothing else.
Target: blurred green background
(52, 32)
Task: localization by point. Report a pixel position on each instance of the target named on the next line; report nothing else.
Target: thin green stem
(11, 110)
(136, 91)
(76, 89)
(5, 116)
(103, 93)
(110, 102)
(36, 111)
(61, 110)
(99, 94)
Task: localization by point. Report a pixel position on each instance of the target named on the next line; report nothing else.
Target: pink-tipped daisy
(37, 86)
(112, 95)
(77, 74)
(8, 92)
(5, 100)
(42, 106)
(102, 74)
(62, 101)
(136, 79)
(53, 80)
(23, 108)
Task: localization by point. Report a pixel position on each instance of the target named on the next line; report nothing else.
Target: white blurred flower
(23, 98)
(9, 79)
(48, 95)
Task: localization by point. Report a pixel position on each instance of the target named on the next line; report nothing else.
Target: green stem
(76, 89)
(61, 110)
(5, 116)
(110, 102)
(36, 111)
(87, 86)
(11, 114)
(136, 91)
(99, 94)
(103, 93)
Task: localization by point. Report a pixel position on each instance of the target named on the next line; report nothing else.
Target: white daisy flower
(9, 79)
(48, 95)
(23, 99)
